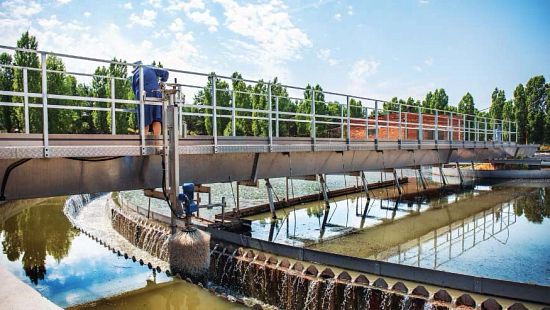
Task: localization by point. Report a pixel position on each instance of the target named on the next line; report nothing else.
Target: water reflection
(35, 233)
(536, 206)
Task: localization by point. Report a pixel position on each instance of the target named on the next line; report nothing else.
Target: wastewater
(40, 247)
(497, 230)
(494, 230)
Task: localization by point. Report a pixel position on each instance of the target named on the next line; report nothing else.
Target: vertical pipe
(270, 198)
(45, 133)
(348, 133)
(113, 107)
(233, 116)
(142, 110)
(26, 100)
(214, 112)
(173, 155)
(270, 117)
(517, 130)
(277, 116)
(509, 131)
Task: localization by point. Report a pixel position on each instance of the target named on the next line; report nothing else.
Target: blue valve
(186, 198)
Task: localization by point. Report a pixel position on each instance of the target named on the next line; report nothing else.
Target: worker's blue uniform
(153, 113)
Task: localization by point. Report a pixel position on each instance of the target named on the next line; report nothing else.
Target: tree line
(529, 107)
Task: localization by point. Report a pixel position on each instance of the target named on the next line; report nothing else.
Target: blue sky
(369, 48)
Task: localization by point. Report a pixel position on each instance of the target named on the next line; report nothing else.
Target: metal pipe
(113, 107)
(233, 121)
(312, 115)
(270, 117)
(348, 134)
(26, 100)
(277, 116)
(375, 122)
(214, 112)
(45, 133)
(141, 110)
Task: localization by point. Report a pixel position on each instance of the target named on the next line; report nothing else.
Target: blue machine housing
(186, 198)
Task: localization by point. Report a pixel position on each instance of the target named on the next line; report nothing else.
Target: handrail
(396, 121)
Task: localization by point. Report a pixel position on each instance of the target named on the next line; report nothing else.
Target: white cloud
(196, 11)
(62, 2)
(418, 68)
(204, 18)
(51, 22)
(269, 38)
(429, 61)
(363, 68)
(338, 16)
(325, 55)
(155, 3)
(176, 25)
(350, 10)
(128, 5)
(20, 8)
(146, 19)
(423, 1)
(359, 73)
(87, 14)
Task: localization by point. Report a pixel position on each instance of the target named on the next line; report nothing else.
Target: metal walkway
(359, 134)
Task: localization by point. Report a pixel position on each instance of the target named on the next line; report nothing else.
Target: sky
(377, 49)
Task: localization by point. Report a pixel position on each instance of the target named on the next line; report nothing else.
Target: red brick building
(388, 127)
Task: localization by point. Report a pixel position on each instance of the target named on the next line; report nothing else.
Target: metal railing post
(45, 133)
(451, 127)
(399, 135)
(348, 131)
(420, 126)
(277, 116)
(388, 125)
(214, 111)
(436, 126)
(142, 110)
(486, 131)
(313, 118)
(464, 128)
(270, 117)
(26, 100)
(233, 116)
(476, 126)
(113, 106)
(375, 121)
(342, 122)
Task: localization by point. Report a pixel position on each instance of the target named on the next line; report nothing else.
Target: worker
(152, 113)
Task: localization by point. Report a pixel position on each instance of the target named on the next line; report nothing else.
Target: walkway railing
(235, 107)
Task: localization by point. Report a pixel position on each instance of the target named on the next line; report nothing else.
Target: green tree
(29, 60)
(223, 99)
(436, 100)
(59, 120)
(521, 111)
(498, 98)
(535, 92)
(6, 84)
(466, 105)
(547, 116)
(100, 89)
